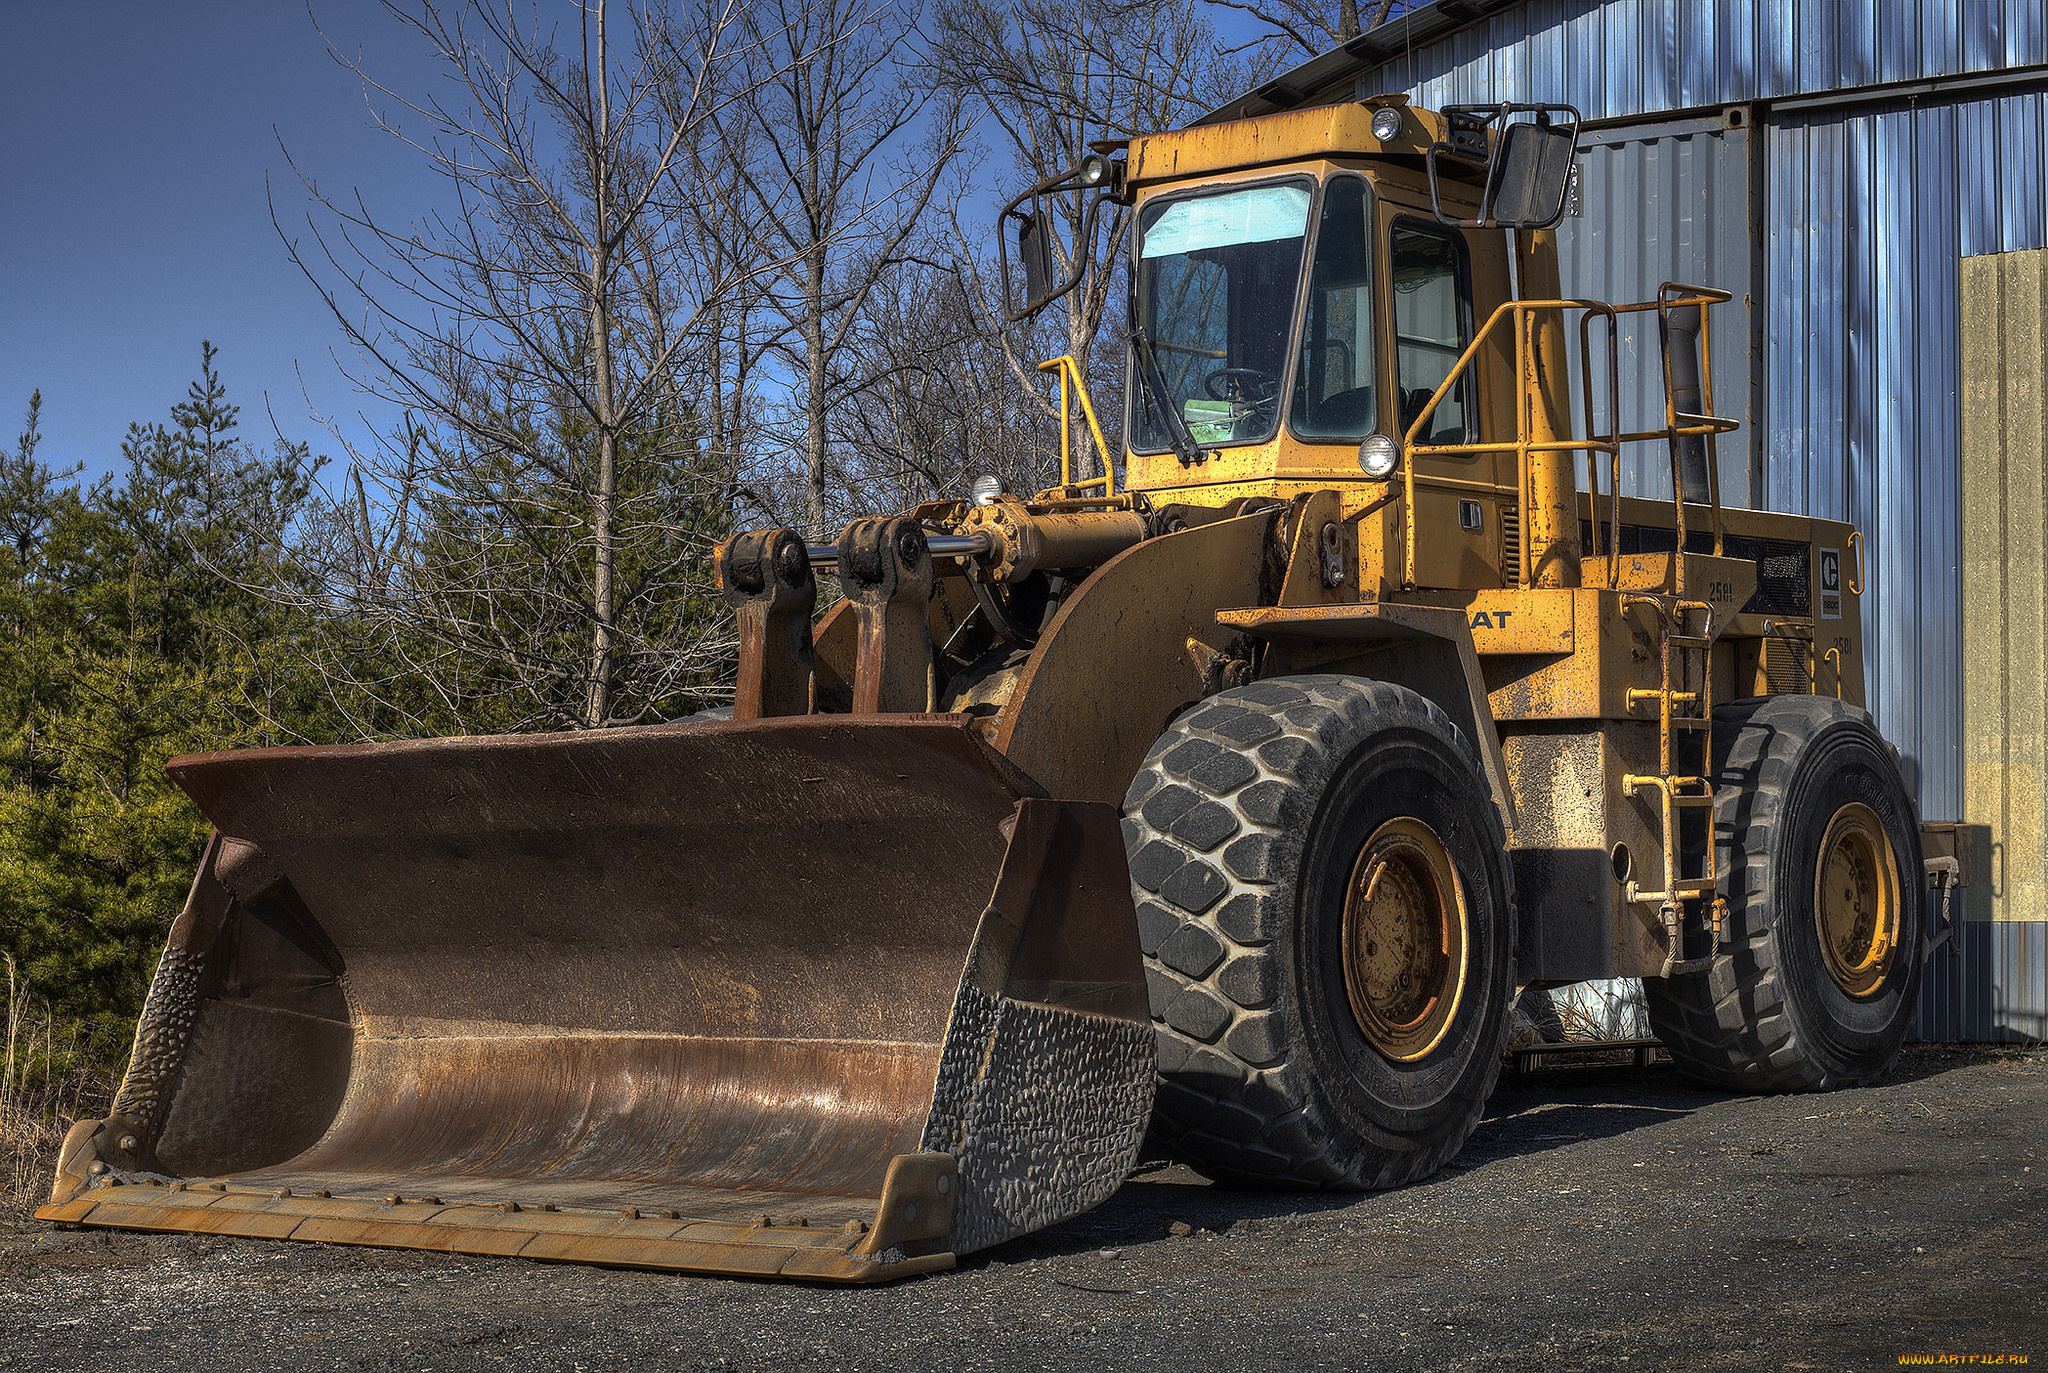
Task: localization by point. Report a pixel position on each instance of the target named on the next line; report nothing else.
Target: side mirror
(1528, 163)
(1533, 175)
(1035, 242)
(1034, 250)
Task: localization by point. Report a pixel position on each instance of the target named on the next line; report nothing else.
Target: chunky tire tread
(1733, 1025)
(1215, 823)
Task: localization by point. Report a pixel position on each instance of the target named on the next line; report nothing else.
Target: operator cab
(1220, 303)
(1300, 283)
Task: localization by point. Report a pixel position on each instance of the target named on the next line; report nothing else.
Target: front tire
(1820, 863)
(1326, 910)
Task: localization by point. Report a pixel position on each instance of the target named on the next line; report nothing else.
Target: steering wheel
(1254, 386)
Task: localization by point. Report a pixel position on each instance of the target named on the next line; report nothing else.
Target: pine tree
(133, 634)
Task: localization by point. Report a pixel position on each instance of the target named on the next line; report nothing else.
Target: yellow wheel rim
(1856, 900)
(1405, 936)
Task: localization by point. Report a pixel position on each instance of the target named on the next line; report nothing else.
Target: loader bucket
(835, 998)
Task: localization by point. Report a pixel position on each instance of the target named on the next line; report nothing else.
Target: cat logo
(1495, 620)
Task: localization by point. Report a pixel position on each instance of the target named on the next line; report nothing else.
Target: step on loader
(1235, 800)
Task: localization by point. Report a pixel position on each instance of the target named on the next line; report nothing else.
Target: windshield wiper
(1183, 439)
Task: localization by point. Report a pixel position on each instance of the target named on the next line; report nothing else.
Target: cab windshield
(1217, 276)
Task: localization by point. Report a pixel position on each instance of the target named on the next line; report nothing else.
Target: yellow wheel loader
(1236, 800)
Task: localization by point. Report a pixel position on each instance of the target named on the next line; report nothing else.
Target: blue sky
(137, 138)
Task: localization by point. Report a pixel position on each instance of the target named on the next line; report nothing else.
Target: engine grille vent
(1784, 574)
(1788, 662)
(1784, 567)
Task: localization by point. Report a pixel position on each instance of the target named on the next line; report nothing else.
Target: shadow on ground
(1541, 1111)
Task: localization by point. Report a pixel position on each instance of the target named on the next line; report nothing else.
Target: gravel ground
(1600, 1218)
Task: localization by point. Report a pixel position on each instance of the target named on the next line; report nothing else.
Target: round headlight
(1378, 455)
(1094, 169)
(1386, 124)
(986, 490)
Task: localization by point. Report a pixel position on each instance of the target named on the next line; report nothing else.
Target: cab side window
(1432, 297)
(1333, 380)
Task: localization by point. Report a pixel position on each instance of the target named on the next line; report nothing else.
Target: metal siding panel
(1940, 39)
(1863, 281)
(1898, 37)
(1585, 56)
(1928, 1021)
(1664, 207)
(2017, 980)
(1818, 57)
(1733, 266)
(1825, 434)
(1938, 1018)
(1983, 35)
(1718, 254)
(1623, 89)
(2023, 1010)
(2026, 33)
(1995, 991)
(1735, 42)
(2030, 951)
(1476, 65)
(1446, 84)
(1885, 419)
(1786, 269)
(1693, 60)
(1630, 57)
(1856, 42)
(1660, 56)
(1546, 42)
(1980, 173)
(1507, 52)
(1969, 984)
(1777, 42)
(2019, 148)
(1930, 647)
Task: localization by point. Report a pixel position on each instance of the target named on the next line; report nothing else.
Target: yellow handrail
(1522, 445)
(1066, 366)
(1669, 297)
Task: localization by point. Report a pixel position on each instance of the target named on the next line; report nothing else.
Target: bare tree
(531, 543)
(836, 159)
(941, 406)
(706, 194)
(1296, 30)
(1052, 81)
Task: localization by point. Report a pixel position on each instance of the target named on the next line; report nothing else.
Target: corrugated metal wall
(1623, 244)
(1866, 213)
(1995, 989)
(1629, 57)
(1867, 210)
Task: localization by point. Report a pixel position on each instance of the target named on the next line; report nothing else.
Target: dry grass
(49, 1078)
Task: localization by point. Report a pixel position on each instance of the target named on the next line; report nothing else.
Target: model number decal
(1497, 619)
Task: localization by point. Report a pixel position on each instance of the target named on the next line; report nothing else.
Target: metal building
(1870, 178)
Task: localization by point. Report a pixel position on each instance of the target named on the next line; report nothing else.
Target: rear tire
(1326, 911)
(1820, 866)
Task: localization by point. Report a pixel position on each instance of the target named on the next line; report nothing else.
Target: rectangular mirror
(1533, 174)
(1034, 249)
